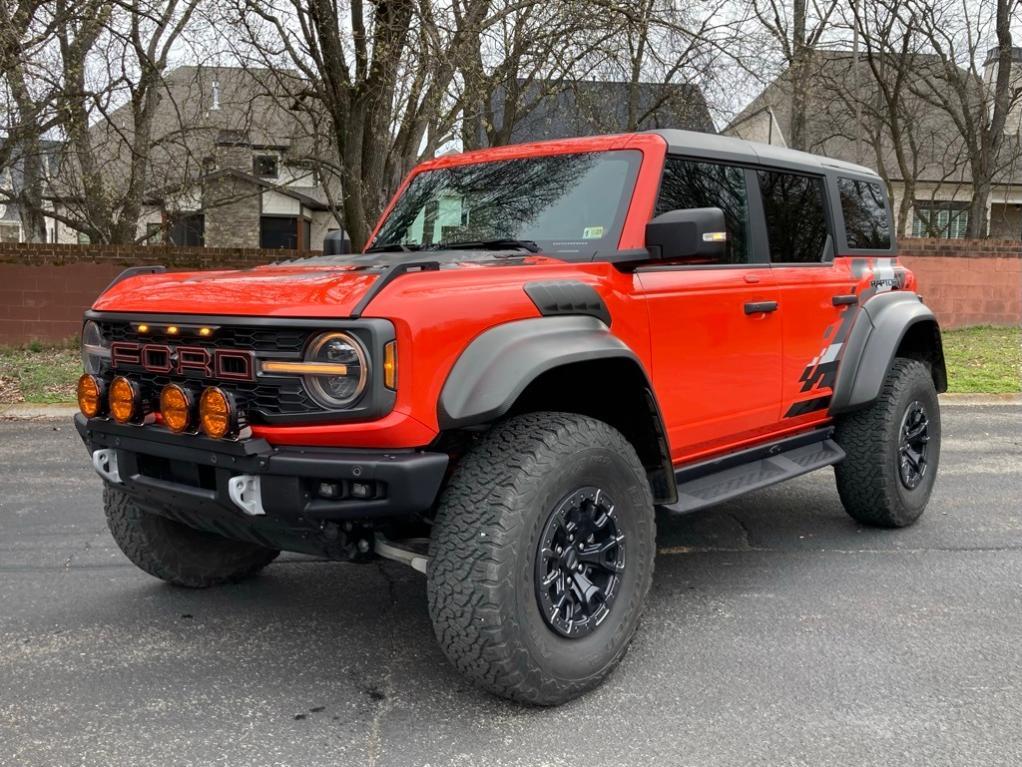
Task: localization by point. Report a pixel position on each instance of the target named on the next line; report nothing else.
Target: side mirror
(696, 233)
(336, 244)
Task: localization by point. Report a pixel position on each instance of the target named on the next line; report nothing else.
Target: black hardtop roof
(728, 149)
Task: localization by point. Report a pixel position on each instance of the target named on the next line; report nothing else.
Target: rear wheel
(893, 449)
(175, 552)
(541, 556)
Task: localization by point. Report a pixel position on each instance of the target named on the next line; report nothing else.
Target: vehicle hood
(319, 288)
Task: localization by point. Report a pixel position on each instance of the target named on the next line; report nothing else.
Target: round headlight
(94, 348)
(344, 387)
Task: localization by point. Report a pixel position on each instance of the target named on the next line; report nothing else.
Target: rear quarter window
(863, 207)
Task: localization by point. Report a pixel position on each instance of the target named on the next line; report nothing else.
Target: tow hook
(105, 463)
(409, 551)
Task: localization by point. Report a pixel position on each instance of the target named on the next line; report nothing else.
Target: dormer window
(264, 166)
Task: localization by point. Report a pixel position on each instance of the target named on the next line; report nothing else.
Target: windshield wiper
(504, 244)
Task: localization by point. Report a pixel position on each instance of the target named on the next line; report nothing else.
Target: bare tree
(959, 34)
(114, 57)
(798, 29)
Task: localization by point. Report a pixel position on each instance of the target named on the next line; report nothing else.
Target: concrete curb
(27, 412)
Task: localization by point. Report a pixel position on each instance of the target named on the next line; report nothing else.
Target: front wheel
(175, 552)
(541, 557)
(892, 449)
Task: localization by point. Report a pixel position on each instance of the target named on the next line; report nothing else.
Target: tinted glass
(867, 224)
(688, 184)
(278, 233)
(796, 220)
(568, 204)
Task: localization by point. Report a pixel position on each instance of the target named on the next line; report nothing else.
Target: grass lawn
(984, 360)
(38, 373)
(980, 360)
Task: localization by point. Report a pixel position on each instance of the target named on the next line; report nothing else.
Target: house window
(264, 166)
(84, 239)
(945, 220)
(189, 231)
(276, 232)
(154, 234)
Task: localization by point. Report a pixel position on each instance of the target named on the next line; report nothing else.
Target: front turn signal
(91, 390)
(390, 365)
(125, 400)
(217, 414)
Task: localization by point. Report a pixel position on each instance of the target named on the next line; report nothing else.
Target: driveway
(778, 633)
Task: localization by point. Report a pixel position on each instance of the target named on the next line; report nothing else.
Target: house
(237, 161)
(11, 184)
(590, 107)
(845, 120)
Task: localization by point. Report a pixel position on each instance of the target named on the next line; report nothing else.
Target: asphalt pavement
(778, 632)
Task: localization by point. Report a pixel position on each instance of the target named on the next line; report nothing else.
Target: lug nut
(580, 568)
(559, 550)
(581, 545)
(363, 545)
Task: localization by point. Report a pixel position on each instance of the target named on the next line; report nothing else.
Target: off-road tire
(481, 575)
(868, 479)
(177, 553)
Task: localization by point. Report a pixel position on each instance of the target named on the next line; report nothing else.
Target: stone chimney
(233, 151)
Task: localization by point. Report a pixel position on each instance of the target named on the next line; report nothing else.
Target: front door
(715, 327)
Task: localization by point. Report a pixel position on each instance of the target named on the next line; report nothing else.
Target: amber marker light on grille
(172, 330)
(90, 392)
(143, 328)
(216, 413)
(306, 368)
(205, 332)
(176, 407)
(125, 400)
(390, 366)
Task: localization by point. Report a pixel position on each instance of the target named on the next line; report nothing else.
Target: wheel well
(922, 342)
(615, 391)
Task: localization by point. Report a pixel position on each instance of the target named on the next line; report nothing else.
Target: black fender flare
(498, 365)
(872, 344)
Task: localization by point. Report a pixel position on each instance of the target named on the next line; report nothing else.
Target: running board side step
(713, 482)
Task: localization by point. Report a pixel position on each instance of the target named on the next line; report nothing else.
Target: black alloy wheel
(579, 564)
(912, 448)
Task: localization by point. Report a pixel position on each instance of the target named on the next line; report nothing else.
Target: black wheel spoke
(579, 563)
(912, 445)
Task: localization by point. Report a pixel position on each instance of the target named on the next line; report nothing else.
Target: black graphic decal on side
(821, 371)
(808, 406)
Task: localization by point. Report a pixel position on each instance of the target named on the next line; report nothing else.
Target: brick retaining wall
(45, 288)
(968, 282)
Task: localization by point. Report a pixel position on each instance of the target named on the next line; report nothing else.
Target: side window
(867, 224)
(796, 218)
(690, 184)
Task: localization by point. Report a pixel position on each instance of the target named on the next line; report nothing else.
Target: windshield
(568, 204)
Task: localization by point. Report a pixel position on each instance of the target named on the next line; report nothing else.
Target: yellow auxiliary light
(90, 392)
(125, 400)
(177, 406)
(217, 414)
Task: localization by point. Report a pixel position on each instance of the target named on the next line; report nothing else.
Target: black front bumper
(175, 473)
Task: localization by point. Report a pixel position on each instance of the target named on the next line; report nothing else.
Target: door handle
(844, 300)
(760, 307)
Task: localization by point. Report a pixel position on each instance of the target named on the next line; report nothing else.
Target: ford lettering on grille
(226, 364)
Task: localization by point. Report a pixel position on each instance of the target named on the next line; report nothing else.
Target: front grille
(271, 397)
(269, 340)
